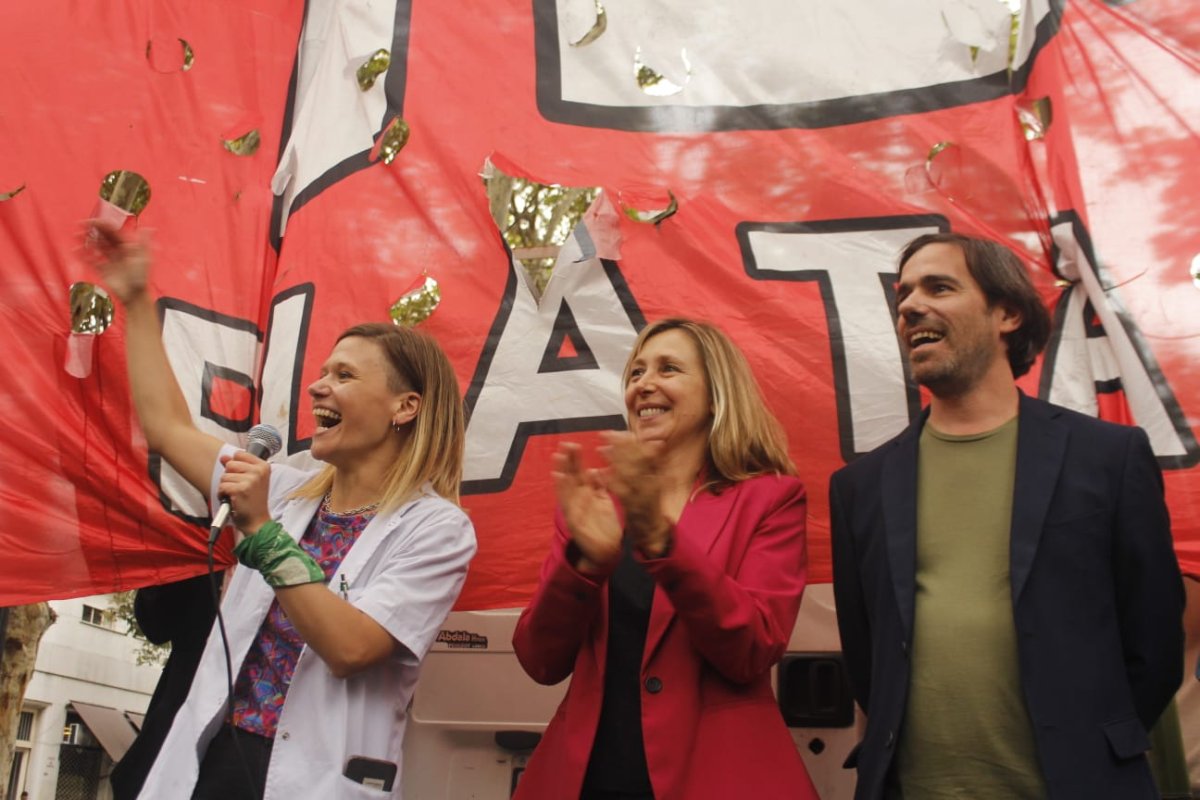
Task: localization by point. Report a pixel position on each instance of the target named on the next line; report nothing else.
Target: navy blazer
(1096, 590)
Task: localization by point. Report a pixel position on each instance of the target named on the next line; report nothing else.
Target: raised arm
(162, 411)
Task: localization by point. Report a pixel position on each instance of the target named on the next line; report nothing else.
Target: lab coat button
(285, 736)
(653, 685)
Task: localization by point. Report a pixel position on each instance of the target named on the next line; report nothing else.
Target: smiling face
(952, 337)
(355, 405)
(667, 395)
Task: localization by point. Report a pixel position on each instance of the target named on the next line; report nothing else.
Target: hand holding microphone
(245, 482)
(267, 547)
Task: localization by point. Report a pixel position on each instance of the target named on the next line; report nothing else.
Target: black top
(618, 760)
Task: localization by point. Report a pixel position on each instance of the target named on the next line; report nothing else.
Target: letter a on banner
(552, 366)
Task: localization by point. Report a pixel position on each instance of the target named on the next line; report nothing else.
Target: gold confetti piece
(391, 141)
(10, 195)
(126, 190)
(372, 68)
(938, 148)
(1035, 117)
(1196, 271)
(535, 219)
(1014, 34)
(943, 166)
(643, 206)
(165, 61)
(91, 308)
(244, 145)
(655, 83)
(416, 306)
(597, 29)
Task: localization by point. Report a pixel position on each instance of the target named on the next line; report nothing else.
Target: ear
(405, 408)
(1010, 319)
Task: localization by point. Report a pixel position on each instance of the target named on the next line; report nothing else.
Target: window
(93, 615)
(14, 776)
(25, 726)
(71, 733)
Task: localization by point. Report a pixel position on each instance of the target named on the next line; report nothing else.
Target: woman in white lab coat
(347, 572)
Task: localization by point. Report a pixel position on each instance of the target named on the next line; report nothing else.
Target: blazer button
(891, 740)
(653, 685)
(904, 648)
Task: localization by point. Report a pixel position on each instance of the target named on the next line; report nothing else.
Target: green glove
(278, 557)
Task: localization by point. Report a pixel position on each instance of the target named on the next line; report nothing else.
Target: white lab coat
(405, 572)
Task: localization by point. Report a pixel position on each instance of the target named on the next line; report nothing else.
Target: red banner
(757, 166)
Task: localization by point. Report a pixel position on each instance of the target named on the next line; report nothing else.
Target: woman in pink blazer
(671, 589)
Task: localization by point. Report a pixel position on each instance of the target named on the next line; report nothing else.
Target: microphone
(262, 442)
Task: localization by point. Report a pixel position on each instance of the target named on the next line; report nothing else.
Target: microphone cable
(233, 731)
(264, 442)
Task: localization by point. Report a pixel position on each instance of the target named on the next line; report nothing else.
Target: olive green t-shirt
(966, 731)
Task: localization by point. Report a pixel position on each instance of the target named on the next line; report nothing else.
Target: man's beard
(956, 373)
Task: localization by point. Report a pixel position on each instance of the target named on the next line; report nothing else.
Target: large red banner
(757, 165)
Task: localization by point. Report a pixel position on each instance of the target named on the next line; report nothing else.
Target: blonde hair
(433, 450)
(744, 439)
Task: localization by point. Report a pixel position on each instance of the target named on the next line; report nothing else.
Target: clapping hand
(589, 511)
(633, 476)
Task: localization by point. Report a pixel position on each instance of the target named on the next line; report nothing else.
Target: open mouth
(922, 338)
(650, 411)
(326, 418)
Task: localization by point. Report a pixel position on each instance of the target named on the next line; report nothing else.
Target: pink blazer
(724, 605)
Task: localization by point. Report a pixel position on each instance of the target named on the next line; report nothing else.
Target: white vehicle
(476, 716)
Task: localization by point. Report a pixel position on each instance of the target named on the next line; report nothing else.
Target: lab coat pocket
(353, 790)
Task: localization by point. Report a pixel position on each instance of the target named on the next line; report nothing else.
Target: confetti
(372, 68)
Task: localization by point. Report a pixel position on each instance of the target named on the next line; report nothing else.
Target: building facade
(83, 705)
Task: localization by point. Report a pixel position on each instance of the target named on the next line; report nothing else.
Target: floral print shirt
(266, 672)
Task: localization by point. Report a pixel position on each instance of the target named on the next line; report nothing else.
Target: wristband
(279, 558)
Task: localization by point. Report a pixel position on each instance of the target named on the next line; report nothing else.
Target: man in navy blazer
(1008, 597)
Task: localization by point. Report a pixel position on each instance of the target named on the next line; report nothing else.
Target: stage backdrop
(757, 164)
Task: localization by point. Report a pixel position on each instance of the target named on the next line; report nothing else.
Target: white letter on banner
(524, 385)
(1083, 359)
(282, 393)
(203, 346)
(729, 66)
(854, 262)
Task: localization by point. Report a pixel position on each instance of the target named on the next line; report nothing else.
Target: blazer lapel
(898, 491)
(705, 517)
(1041, 446)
